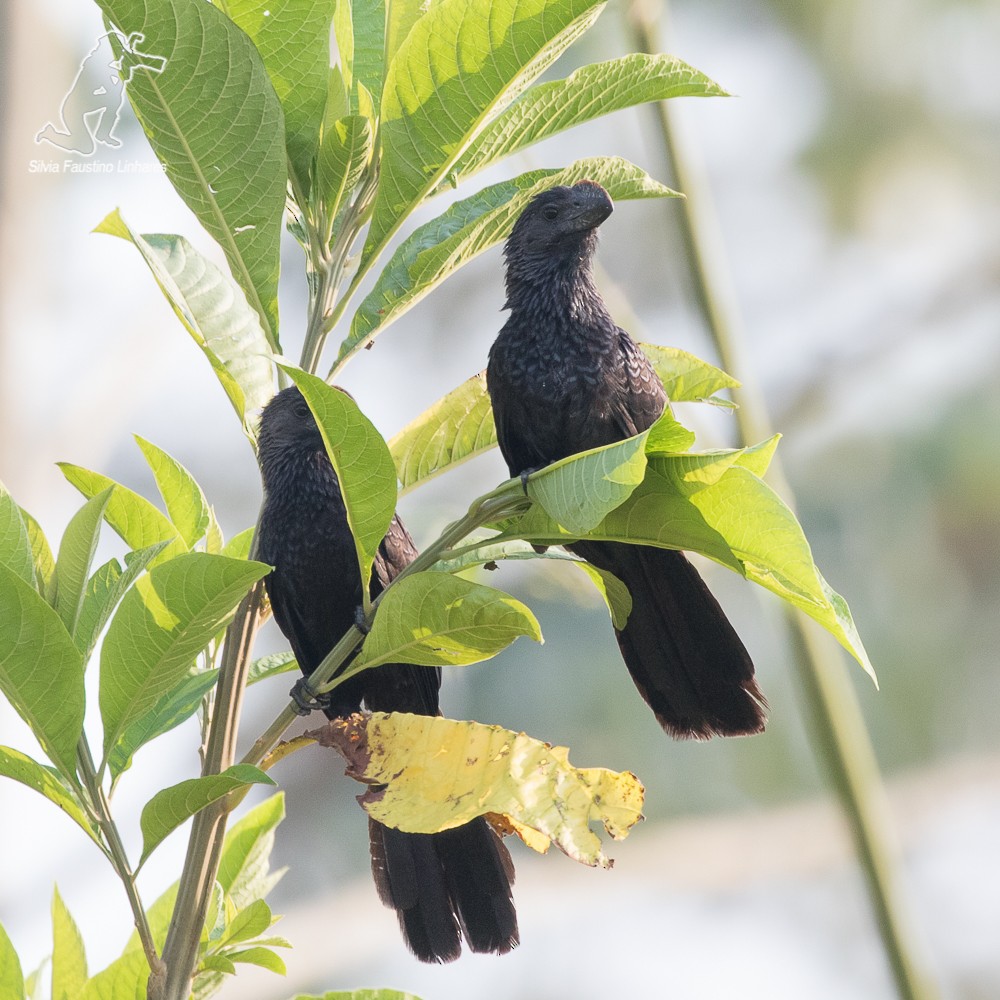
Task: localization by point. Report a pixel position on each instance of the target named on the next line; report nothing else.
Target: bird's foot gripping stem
(306, 700)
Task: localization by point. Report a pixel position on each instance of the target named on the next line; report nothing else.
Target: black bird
(563, 377)
(443, 886)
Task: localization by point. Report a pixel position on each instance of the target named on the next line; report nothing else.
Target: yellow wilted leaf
(430, 774)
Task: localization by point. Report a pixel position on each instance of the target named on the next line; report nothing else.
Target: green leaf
(249, 923)
(435, 618)
(214, 120)
(362, 462)
(614, 592)
(163, 622)
(169, 808)
(214, 310)
(588, 93)
(687, 378)
(403, 15)
(173, 708)
(438, 248)
(263, 957)
(238, 547)
(270, 666)
(41, 672)
(344, 152)
(76, 553)
(139, 523)
(69, 960)
(15, 545)
(104, 590)
(459, 63)
(457, 427)
(713, 504)
(360, 31)
(218, 963)
(578, 492)
(244, 870)
(277, 30)
(11, 977)
(425, 774)
(41, 554)
(124, 979)
(186, 505)
(45, 781)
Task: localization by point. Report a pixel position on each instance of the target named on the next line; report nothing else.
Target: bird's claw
(305, 699)
(360, 621)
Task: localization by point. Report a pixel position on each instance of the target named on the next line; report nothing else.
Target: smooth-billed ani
(563, 377)
(443, 886)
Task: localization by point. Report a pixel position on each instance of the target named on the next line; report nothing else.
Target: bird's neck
(566, 300)
(315, 482)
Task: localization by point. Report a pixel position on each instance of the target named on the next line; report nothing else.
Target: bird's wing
(640, 398)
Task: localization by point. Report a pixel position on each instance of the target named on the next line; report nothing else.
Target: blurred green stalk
(839, 731)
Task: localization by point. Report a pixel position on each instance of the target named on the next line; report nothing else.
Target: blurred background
(856, 180)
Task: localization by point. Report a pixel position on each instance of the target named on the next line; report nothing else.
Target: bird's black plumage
(443, 886)
(563, 377)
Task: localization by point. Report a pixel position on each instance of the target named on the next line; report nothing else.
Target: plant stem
(838, 723)
(201, 864)
(116, 851)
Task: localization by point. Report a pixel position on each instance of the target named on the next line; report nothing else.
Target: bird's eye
(550, 212)
(302, 409)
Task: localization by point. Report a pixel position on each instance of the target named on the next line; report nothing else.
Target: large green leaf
(139, 523)
(166, 619)
(214, 120)
(11, 976)
(45, 781)
(185, 502)
(69, 960)
(170, 807)
(173, 708)
(76, 553)
(124, 979)
(435, 618)
(344, 152)
(41, 672)
(687, 378)
(591, 91)
(362, 461)
(360, 27)
(293, 39)
(104, 590)
(41, 553)
(456, 428)
(15, 545)
(458, 64)
(213, 309)
(714, 504)
(438, 248)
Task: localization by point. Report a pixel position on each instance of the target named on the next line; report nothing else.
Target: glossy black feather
(563, 377)
(442, 886)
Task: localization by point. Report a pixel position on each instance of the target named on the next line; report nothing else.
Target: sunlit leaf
(362, 461)
(162, 623)
(168, 808)
(11, 977)
(138, 522)
(686, 377)
(432, 774)
(15, 545)
(45, 781)
(214, 310)
(69, 960)
(244, 869)
(41, 672)
(214, 120)
(186, 505)
(443, 84)
(41, 553)
(270, 666)
(590, 92)
(435, 618)
(176, 706)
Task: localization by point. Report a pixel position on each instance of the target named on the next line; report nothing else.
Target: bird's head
(556, 231)
(287, 427)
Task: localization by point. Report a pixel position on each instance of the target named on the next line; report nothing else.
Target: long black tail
(446, 886)
(683, 654)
